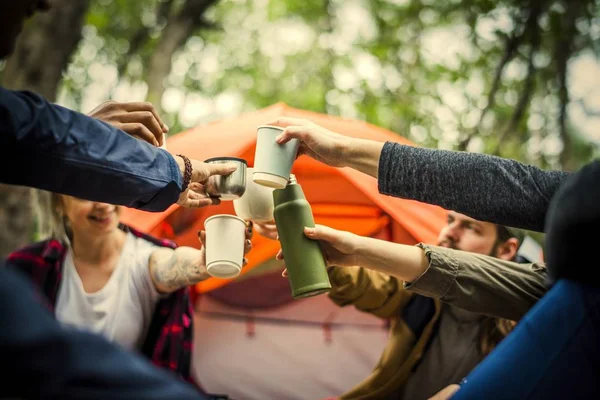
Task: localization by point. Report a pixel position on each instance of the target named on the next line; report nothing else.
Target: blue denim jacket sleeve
(46, 146)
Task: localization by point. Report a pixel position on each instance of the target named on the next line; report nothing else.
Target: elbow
(165, 197)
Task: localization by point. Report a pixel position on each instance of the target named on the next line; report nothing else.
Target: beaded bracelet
(187, 174)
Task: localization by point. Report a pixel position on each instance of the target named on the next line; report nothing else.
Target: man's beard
(449, 243)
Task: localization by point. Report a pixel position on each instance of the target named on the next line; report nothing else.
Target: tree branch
(44, 49)
(562, 53)
(524, 98)
(511, 44)
(209, 25)
(532, 29)
(142, 34)
(179, 27)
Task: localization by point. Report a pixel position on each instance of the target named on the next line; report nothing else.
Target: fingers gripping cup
(227, 187)
(272, 161)
(256, 204)
(225, 237)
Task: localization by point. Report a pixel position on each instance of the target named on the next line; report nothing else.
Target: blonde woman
(100, 275)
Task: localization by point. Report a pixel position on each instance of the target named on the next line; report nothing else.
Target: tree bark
(15, 218)
(45, 47)
(179, 27)
(563, 51)
(42, 53)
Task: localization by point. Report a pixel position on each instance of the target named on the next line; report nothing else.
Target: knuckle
(111, 105)
(147, 116)
(139, 128)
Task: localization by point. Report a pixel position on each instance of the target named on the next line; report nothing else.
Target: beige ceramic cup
(225, 237)
(257, 202)
(272, 161)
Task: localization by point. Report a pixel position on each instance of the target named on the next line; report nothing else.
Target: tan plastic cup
(272, 161)
(256, 204)
(225, 237)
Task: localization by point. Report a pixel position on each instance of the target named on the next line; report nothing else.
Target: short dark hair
(504, 233)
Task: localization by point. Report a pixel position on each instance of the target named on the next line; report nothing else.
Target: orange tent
(341, 198)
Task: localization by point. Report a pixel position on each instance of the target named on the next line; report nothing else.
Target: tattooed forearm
(174, 269)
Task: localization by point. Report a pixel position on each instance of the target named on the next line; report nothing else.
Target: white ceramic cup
(225, 238)
(272, 161)
(257, 202)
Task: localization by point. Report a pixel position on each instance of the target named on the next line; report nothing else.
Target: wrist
(180, 165)
(185, 167)
(359, 250)
(363, 155)
(370, 254)
(349, 150)
(203, 272)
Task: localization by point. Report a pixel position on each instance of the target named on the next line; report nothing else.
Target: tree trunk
(179, 27)
(42, 53)
(45, 47)
(15, 218)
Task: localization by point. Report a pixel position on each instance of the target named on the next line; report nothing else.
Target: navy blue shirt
(49, 147)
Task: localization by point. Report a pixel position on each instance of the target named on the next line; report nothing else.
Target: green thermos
(304, 261)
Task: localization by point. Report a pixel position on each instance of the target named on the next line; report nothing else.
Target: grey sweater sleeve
(485, 187)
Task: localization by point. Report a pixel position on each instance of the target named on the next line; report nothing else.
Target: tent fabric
(307, 349)
(342, 198)
(255, 321)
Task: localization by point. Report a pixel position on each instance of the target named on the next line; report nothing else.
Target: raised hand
(338, 247)
(317, 142)
(195, 195)
(247, 244)
(139, 119)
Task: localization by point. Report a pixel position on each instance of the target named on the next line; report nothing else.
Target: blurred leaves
(425, 69)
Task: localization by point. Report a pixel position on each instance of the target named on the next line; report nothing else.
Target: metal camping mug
(227, 187)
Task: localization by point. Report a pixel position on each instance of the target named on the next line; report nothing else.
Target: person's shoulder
(37, 257)
(15, 97)
(145, 239)
(141, 244)
(139, 249)
(49, 248)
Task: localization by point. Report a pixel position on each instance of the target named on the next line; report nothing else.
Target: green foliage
(422, 68)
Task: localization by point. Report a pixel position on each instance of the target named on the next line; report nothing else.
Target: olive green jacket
(474, 282)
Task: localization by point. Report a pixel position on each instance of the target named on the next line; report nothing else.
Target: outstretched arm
(485, 187)
(184, 266)
(173, 269)
(474, 282)
(71, 153)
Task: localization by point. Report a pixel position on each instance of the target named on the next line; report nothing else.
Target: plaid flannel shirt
(169, 341)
